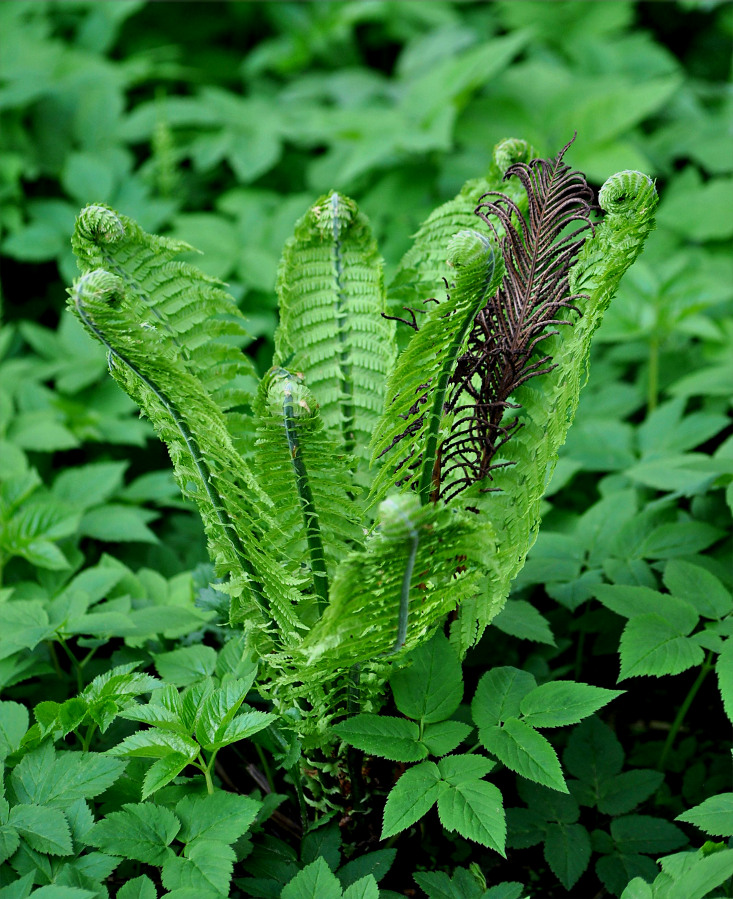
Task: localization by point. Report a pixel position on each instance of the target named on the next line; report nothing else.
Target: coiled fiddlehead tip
(629, 194)
(97, 286)
(399, 516)
(99, 225)
(510, 151)
(472, 254)
(333, 213)
(283, 387)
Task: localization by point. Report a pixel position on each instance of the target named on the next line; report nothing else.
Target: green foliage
(218, 131)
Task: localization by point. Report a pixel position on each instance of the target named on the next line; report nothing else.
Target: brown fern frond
(504, 348)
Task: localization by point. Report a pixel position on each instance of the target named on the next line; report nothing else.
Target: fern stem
(194, 451)
(347, 386)
(705, 668)
(310, 514)
(429, 487)
(404, 612)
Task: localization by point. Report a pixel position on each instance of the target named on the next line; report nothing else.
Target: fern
(308, 478)
(416, 390)
(150, 363)
(629, 200)
(331, 298)
(422, 269)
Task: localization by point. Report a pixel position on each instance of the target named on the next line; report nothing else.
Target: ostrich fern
(380, 491)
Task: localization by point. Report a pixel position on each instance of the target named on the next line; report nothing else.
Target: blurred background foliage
(221, 123)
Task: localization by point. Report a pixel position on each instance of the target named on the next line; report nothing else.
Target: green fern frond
(422, 268)
(418, 566)
(201, 321)
(331, 298)
(147, 361)
(416, 389)
(549, 404)
(308, 477)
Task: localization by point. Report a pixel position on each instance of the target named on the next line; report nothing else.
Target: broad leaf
(475, 809)
(557, 703)
(521, 748)
(499, 694)
(713, 816)
(143, 832)
(412, 797)
(430, 687)
(391, 738)
(652, 645)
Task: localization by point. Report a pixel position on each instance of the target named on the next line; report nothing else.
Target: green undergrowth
(583, 747)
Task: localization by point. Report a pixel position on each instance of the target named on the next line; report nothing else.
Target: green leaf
(638, 889)
(627, 790)
(45, 778)
(498, 695)
(391, 738)
(593, 753)
(558, 703)
(315, 881)
(323, 841)
(643, 833)
(366, 888)
(521, 748)
(9, 838)
(699, 587)
(475, 810)
(162, 772)
(682, 538)
(634, 601)
(724, 672)
(714, 815)
(567, 851)
(444, 736)
(204, 865)
(412, 797)
(44, 829)
(138, 888)
(13, 725)
(222, 817)
(116, 523)
(89, 485)
(186, 665)
(431, 687)
(156, 744)
(652, 645)
(458, 769)
(142, 832)
(705, 875)
(520, 619)
(375, 863)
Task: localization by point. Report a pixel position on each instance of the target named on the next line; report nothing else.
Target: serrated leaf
(724, 672)
(558, 703)
(632, 601)
(223, 817)
(499, 694)
(618, 868)
(156, 744)
(315, 881)
(458, 769)
(627, 790)
(714, 815)
(396, 739)
(651, 645)
(431, 688)
(9, 842)
(644, 833)
(699, 587)
(376, 863)
(44, 829)
(142, 832)
(13, 725)
(412, 796)
(444, 736)
(116, 523)
(162, 772)
(186, 665)
(593, 753)
(524, 750)
(567, 851)
(138, 888)
(475, 809)
(366, 888)
(205, 865)
(705, 875)
(638, 889)
(45, 778)
(520, 619)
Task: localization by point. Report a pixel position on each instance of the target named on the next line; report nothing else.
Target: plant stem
(207, 771)
(74, 663)
(307, 505)
(265, 766)
(294, 773)
(706, 667)
(653, 384)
